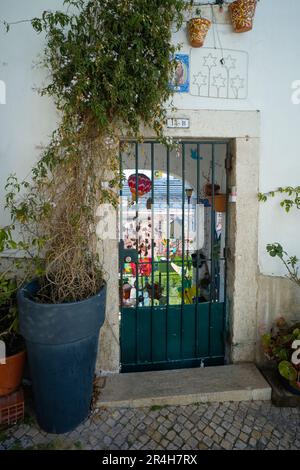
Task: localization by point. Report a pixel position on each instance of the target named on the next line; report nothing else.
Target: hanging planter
(242, 13)
(220, 202)
(197, 29)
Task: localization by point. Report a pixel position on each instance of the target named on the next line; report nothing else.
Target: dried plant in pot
(242, 14)
(197, 29)
(105, 92)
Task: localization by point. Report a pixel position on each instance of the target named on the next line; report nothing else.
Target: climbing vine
(109, 64)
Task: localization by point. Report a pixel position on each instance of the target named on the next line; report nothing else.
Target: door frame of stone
(242, 128)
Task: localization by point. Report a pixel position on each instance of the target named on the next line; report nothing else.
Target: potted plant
(96, 82)
(13, 362)
(220, 200)
(282, 346)
(197, 29)
(242, 13)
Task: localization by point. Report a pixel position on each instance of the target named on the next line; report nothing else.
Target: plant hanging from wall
(109, 66)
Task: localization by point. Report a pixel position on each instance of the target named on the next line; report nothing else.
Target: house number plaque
(178, 123)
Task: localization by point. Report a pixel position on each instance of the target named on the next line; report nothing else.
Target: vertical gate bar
(152, 225)
(152, 247)
(121, 260)
(212, 239)
(137, 245)
(168, 246)
(168, 225)
(197, 250)
(183, 242)
(226, 241)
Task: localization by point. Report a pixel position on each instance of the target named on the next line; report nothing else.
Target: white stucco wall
(26, 120)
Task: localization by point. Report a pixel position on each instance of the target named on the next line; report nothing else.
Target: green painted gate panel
(217, 336)
(188, 331)
(187, 328)
(128, 336)
(158, 337)
(173, 332)
(159, 331)
(203, 330)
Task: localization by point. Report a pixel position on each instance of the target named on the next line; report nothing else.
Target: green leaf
(283, 355)
(266, 340)
(287, 370)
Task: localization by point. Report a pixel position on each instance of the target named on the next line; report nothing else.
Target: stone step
(242, 382)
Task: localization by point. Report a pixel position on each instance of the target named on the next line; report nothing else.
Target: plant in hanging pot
(219, 200)
(104, 91)
(242, 14)
(13, 361)
(197, 29)
(282, 346)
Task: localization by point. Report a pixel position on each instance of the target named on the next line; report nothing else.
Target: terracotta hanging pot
(197, 29)
(242, 13)
(220, 202)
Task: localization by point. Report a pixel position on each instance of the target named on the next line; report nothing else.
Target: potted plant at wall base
(197, 29)
(242, 13)
(13, 361)
(97, 84)
(282, 346)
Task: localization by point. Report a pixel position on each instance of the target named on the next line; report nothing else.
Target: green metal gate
(172, 255)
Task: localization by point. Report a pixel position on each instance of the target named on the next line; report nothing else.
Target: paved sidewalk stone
(231, 425)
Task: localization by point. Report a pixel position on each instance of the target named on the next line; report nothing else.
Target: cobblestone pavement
(244, 425)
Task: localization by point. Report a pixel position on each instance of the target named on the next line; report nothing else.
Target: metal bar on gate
(186, 142)
(212, 239)
(226, 240)
(152, 247)
(183, 242)
(168, 226)
(197, 250)
(152, 225)
(168, 246)
(137, 244)
(121, 260)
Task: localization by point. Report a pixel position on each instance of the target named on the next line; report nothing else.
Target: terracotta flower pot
(220, 202)
(242, 13)
(197, 30)
(11, 373)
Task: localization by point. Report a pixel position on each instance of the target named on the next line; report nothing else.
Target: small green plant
(290, 262)
(9, 323)
(276, 249)
(288, 203)
(280, 345)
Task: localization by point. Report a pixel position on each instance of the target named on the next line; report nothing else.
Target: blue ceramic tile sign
(181, 78)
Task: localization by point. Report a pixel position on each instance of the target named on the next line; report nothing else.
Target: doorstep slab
(241, 382)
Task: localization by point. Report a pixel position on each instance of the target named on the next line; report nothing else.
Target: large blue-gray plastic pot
(62, 344)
